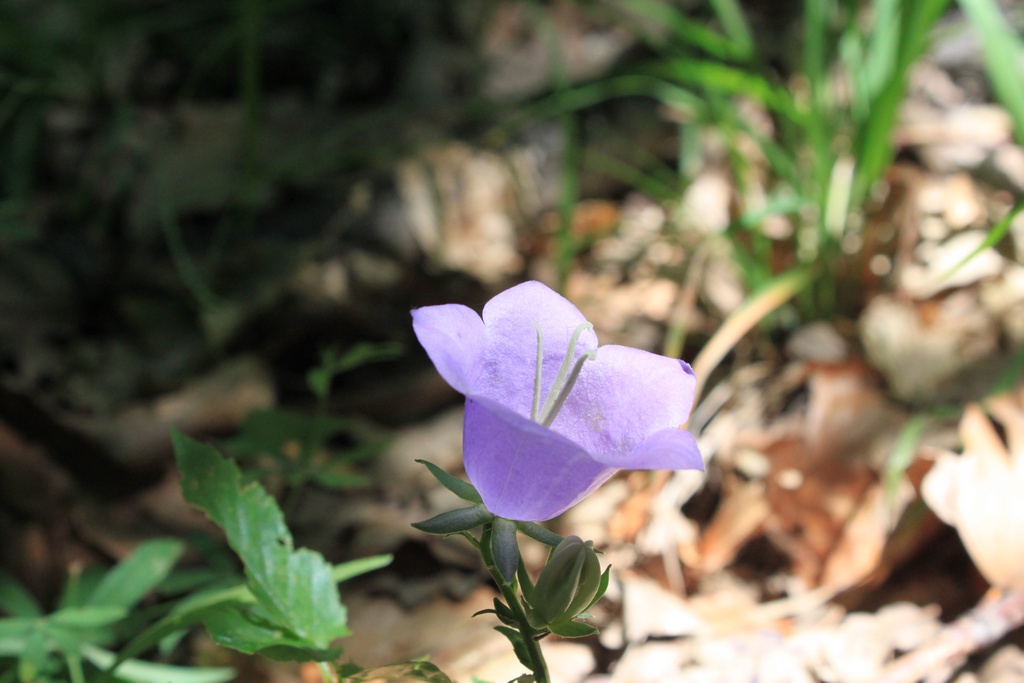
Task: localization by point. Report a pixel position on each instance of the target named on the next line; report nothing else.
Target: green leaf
(525, 582)
(1002, 49)
(191, 610)
(539, 533)
(602, 587)
(411, 671)
(32, 661)
(455, 521)
(15, 598)
(902, 455)
(353, 568)
(518, 644)
(505, 547)
(873, 145)
(462, 489)
(716, 77)
(87, 617)
(340, 479)
(995, 235)
(503, 611)
(148, 672)
(16, 628)
(268, 431)
(246, 629)
(331, 364)
(295, 587)
(136, 575)
(685, 30)
(573, 629)
(730, 14)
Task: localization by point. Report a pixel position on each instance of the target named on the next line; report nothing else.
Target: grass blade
(1003, 51)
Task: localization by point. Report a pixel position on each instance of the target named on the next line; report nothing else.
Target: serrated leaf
(573, 629)
(136, 575)
(190, 610)
(15, 599)
(462, 489)
(410, 671)
(243, 628)
(294, 586)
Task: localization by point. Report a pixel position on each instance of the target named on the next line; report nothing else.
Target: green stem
(75, 672)
(508, 590)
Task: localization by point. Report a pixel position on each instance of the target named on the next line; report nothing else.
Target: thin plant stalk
(743, 319)
(537, 664)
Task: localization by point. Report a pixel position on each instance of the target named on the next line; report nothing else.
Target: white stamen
(549, 416)
(564, 380)
(536, 380)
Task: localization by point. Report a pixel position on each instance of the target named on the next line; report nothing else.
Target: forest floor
(805, 553)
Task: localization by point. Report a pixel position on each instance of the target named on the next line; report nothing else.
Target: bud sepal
(456, 521)
(539, 533)
(570, 583)
(462, 489)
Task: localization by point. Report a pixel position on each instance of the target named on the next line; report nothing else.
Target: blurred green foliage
(293, 448)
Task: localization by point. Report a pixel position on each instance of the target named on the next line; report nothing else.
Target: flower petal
(624, 396)
(668, 449)
(453, 337)
(510, 357)
(523, 470)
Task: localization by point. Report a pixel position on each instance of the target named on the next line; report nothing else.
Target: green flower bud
(568, 582)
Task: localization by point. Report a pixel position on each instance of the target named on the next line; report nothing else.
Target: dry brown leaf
(1005, 666)
(979, 492)
(741, 515)
(858, 550)
(943, 266)
(650, 610)
(924, 350)
(812, 490)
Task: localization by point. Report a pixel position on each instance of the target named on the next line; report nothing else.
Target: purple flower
(549, 416)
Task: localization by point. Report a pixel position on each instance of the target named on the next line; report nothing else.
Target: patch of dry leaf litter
(756, 574)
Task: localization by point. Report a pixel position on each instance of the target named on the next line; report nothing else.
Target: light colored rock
(923, 349)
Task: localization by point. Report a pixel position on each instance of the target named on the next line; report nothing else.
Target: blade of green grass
(735, 25)
(902, 455)
(995, 235)
(727, 80)
(686, 32)
(873, 145)
(756, 308)
(1003, 51)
